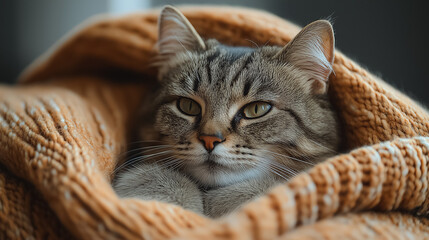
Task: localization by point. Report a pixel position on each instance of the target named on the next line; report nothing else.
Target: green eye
(188, 106)
(256, 109)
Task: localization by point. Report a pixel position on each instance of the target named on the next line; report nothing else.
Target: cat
(232, 121)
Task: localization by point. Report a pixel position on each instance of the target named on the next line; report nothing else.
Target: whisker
(170, 161)
(142, 150)
(289, 157)
(308, 157)
(278, 174)
(178, 164)
(288, 171)
(266, 43)
(281, 168)
(161, 163)
(146, 151)
(254, 43)
(325, 147)
(144, 141)
(270, 170)
(136, 159)
(156, 154)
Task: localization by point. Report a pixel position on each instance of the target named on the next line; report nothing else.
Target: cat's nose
(210, 141)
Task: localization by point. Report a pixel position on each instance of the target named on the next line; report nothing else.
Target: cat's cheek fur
(273, 129)
(172, 123)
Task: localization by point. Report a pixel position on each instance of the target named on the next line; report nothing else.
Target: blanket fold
(64, 127)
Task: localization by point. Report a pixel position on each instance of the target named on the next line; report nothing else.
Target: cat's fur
(300, 129)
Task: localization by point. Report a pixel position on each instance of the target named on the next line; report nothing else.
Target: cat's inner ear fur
(176, 34)
(312, 51)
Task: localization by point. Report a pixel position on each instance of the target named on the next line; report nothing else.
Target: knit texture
(64, 126)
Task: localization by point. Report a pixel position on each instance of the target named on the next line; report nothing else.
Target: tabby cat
(232, 121)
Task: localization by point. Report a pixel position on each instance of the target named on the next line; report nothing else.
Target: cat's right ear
(312, 51)
(176, 34)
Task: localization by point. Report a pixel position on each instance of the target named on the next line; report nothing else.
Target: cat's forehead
(224, 75)
(229, 71)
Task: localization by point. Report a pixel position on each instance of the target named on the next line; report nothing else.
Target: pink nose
(210, 141)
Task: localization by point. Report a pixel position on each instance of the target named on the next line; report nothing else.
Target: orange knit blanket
(63, 128)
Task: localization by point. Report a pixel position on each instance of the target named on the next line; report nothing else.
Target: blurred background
(387, 37)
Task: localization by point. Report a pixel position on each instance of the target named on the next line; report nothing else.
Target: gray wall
(28, 28)
(387, 37)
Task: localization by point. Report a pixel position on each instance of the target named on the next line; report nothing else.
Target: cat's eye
(256, 109)
(188, 106)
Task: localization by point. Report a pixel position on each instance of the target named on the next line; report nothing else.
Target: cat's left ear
(312, 51)
(176, 34)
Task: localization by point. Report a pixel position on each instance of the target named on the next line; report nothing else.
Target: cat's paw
(152, 182)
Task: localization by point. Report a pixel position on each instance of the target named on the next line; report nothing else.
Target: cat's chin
(211, 174)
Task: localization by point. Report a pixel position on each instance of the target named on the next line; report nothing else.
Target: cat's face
(231, 113)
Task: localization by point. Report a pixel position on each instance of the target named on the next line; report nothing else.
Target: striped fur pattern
(299, 131)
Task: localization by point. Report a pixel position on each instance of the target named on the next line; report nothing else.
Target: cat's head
(231, 113)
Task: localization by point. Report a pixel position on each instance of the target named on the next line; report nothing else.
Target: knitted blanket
(63, 128)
